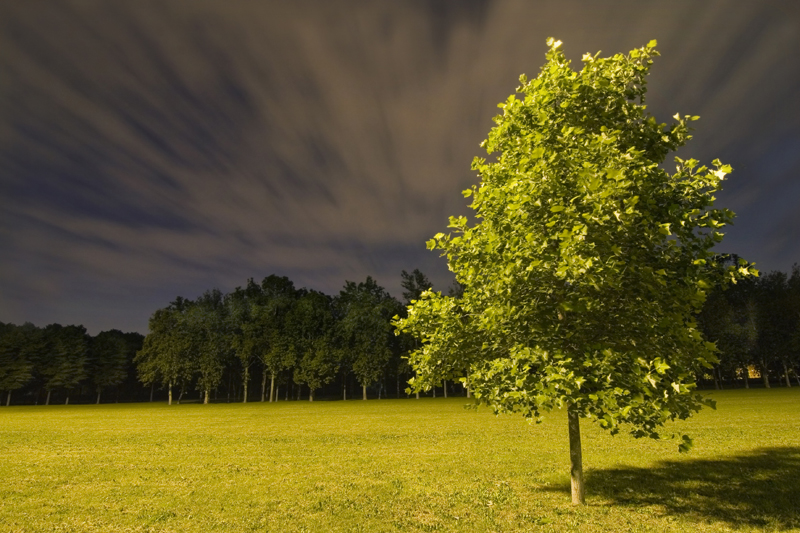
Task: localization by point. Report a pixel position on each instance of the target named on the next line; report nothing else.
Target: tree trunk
(746, 376)
(152, 387)
(765, 374)
(244, 386)
(271, 387)
(364, 388)
(47, 402)
(716, 379)
(169, 402)
(264, 386)
(786, 375)
(444, 386)
(8, 399)
(98, 398)
(66, 402)
(205, 400)
(398, 386)
(310, 394)
(576, 461)
(434, 391)
(417, 395)
(344, 388)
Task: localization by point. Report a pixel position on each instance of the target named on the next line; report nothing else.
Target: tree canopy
(588, 261)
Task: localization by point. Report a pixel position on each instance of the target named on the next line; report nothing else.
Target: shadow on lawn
(757, 489)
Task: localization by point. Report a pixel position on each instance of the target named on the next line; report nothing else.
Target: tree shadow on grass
(760, 488)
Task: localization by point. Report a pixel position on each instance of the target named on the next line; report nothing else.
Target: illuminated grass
(389, 465)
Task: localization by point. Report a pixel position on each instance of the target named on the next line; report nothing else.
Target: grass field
(390, 465)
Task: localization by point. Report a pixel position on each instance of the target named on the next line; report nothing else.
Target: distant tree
(310, 324)
(414, 285)
(275, 349)
(65, 361)
(15, 363)
(210, 339)
(587, 264)
(367, 311)
(109, 357)
(166, 355)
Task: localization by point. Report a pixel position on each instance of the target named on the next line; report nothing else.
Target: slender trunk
(271, 387)
(734, 378)
(716, 379)
(180, 396)
(66, 402)
(344, 388)
(98, 397)
(246, 379)
(434, 391)
(8, 399)
(797, 377)
(152, 388)
(746, 376)
(205, 401)
(786, 375)
(764, 374)
(444, 386)
(398, 386)
(169, 402)
(47, 401)
(576, 461)
(310, 394)
(417, 395)
(364, 388)
(288, 386)
(264, 386)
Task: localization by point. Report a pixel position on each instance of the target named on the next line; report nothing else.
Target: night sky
(150, 149)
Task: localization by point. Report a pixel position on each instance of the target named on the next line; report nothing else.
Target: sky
(152, 149)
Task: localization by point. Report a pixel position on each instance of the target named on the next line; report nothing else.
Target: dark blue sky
(155, 149)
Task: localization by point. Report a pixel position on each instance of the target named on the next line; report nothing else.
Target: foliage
(588, 261)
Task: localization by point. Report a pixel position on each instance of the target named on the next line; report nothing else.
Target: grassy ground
(390, 465)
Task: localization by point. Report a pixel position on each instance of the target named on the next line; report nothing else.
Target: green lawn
(390, 465)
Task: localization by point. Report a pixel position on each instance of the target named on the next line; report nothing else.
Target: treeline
(756, 326)
(281, 339)
(271, 340)
(38, 363)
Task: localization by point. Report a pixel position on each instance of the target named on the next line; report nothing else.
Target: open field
(390, 465)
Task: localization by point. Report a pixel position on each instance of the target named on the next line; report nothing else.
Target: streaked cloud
(150, 149)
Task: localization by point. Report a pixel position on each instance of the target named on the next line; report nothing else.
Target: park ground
(391, 465)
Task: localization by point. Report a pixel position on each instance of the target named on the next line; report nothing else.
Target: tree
(588, 261)
(109, 359)
(65, 358)
(15, 361)
(165, 355)
(367, 311)
(210, 339)
(310, 324)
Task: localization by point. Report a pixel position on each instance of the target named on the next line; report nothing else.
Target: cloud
(155, 149)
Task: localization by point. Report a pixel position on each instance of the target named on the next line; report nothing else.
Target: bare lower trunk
(264, 386)
(244, 387)
(98, 397)
(746, 381)
(717, 385)
(169, 402)
(765, 375)
(344, 389)
(47, 401)
(8, 399)
(786, 375)
(310, 394)
(444, 386)
(576, 461)
(66, 402)
(364, 388)
(272, 387)
(205, 400)
(417, 395)
(152, 388)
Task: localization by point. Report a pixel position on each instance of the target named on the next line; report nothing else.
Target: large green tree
(587, 263)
